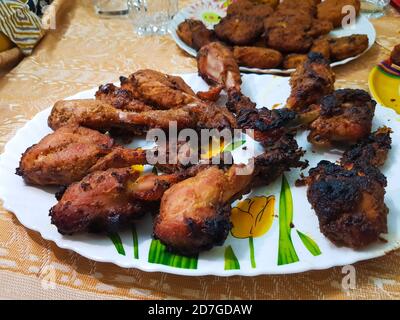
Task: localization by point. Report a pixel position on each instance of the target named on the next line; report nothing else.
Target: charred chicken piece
(103, 117)
(371, 151)
(103, 201)
(68, 154)
(349, 203)
(120, 98)
(195, 34)
(345, 117)
(310, 82)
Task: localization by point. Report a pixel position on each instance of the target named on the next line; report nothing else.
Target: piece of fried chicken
(69, 153)
(104, 201)
(217, 66)
(346, 47)
(256, 57)
(371, 151)
(335, 10)
(101, 116)
(195, 34)
(345, 117)
(349, 198)
(310, 82)
(195, 213)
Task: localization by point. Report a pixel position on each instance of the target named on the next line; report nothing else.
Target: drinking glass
(374, 8)
(111, 8)
(152, 16)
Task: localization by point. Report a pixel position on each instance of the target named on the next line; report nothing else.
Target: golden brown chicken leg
(107, 200)
(68, 154)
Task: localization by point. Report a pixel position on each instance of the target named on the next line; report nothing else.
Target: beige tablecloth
(83, 52)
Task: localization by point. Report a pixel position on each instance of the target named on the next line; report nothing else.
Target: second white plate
(208, 11)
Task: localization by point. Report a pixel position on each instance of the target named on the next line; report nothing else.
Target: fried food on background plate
(250, 8)
(239, 29)
(331, 10)
(320, 28)
(346, 47)
(255, 57)
(286, 29)
(293, 60)
(194, 33)
(310, 82)
(322, 46)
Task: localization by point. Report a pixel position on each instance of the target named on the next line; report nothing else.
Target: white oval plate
(200, 9)
(31, 205)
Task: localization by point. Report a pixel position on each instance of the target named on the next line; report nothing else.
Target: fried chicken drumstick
(195, 213)
(106, 200)
(69, 153)
(310, 82)
(349, 198)
(345, 117)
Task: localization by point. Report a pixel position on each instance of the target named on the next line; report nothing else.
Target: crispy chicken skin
(69, 153)
(160, 90)
(217, 66)
(120, 98)
(255, 57)
(310, 82)
(239, 29)
(350, 46)
(371, 151)
(194, 214)
(103, 117)
(195, 34)
(332, 10)
(99, 202)
(345, 117)
(349, 203)
(103, 201)
(64, 156)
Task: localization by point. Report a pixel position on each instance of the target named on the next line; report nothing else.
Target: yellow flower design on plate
(253, 217)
